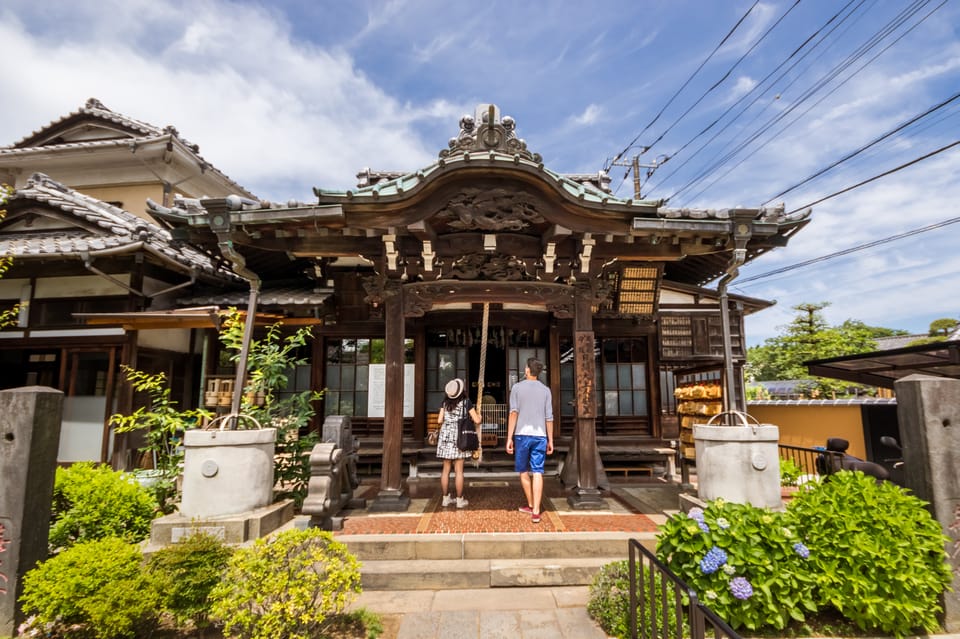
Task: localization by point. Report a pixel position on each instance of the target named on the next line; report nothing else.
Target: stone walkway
(491, 613)
(494, 613)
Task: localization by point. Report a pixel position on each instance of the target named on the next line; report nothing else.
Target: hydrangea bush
(878, 555)
(747, 564)
(865, 549)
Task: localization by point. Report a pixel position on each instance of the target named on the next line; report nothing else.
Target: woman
(454, 406)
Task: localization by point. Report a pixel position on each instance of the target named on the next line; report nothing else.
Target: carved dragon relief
(495, 267)
(476, 209)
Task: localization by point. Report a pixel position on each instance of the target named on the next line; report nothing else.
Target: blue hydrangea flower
(801, 550)
(696, 513)
(712, 561)
(723, 523)
(741, 588)
(703, 525)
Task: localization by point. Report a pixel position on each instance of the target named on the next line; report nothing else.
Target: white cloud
(589, 116)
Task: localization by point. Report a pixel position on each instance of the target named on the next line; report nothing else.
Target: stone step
(493, 546)
(452, 574)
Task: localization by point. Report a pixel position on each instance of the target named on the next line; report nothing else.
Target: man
(530, 434)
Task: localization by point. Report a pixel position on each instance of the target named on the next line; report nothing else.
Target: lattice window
(635, 290)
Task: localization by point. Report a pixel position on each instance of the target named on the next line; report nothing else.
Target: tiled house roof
(94, 126)
(95, 226)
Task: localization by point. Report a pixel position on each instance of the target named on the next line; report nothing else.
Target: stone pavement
(490, 613)
(554, 612)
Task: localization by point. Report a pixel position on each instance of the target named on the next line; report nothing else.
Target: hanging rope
(483, 353)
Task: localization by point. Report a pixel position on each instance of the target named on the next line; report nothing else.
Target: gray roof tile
(119, 228)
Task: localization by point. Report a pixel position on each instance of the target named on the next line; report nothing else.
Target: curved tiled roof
(102, 226)
(94, 108)
(137, 132)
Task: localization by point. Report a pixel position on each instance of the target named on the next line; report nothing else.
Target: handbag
(432, 437)
(467, 438)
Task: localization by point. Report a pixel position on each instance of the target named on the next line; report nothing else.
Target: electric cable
(852, 249)
(808, 94)
(863, 148)
(678, 91)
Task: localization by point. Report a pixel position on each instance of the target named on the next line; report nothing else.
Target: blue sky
(289, 95)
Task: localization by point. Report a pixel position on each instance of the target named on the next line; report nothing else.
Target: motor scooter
(839, 459)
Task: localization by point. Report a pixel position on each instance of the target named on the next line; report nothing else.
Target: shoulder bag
(467, 438)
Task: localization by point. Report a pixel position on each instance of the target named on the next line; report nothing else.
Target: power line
(809, 93)
(877, 177)
(689, 79)
(853, 249)
(760, 84)
(725, 75)
(863, 148)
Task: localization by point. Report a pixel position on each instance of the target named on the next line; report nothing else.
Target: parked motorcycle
(828, 464)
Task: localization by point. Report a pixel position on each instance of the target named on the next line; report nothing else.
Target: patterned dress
(447, 441)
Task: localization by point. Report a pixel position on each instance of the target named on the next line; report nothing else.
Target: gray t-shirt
(533, 403)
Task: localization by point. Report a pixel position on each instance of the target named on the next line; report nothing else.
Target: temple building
(463, 268)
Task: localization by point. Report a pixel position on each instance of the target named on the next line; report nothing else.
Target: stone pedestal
(29, 439)
(928, 409)
(739, 464)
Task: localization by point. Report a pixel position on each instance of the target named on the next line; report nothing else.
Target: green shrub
(789, 472)
(94, 502)
(878, 554)
(745, 563)
(287, 586)
(184, 573)
(94, 589)
(163, 424)
(609, 603)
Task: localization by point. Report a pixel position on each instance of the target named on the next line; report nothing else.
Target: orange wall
(810, 426)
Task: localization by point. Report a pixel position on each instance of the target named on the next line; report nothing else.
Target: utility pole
(635, 167)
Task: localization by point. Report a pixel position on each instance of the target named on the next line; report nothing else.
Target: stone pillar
(586, 496)
(29, 439)
(928, 409)
(391, 498)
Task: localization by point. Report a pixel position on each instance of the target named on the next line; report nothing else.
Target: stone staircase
(486, 560)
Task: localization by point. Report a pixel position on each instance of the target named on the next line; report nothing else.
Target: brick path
(493, 508)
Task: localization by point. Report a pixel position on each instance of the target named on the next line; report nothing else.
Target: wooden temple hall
(463, 268)
(467, 267)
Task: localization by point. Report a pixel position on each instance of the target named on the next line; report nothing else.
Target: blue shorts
(530, 453)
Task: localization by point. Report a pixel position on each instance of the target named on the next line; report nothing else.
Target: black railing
(812, 462)
(662, 606)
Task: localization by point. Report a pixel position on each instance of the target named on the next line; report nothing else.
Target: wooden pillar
(390, 497)
(586, 496)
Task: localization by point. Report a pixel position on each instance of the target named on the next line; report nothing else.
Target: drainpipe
(733, 269)
(240, 381)
(742, 231)
(218, 211)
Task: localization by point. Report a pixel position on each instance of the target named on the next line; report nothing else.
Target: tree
(809, 337)
(8, 316)
(943, 327)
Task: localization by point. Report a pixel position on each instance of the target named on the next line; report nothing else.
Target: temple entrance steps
(487, 560)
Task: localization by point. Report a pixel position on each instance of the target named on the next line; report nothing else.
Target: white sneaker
(461, 502)
(447, 500)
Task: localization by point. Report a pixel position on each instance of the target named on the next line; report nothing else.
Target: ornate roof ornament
(493, 133)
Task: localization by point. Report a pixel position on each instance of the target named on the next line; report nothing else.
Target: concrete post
(29, 439)
(928, 409)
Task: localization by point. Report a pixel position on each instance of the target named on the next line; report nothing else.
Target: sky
(726, 103)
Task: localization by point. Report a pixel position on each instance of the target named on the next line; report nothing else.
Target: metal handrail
(697, 613)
